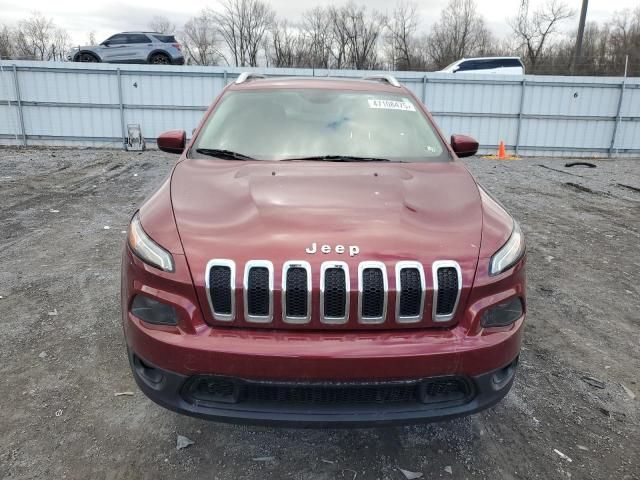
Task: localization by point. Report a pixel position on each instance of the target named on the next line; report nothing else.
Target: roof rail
(246, 76)
(390, 79)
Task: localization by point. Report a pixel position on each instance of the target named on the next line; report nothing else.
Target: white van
(501, 65)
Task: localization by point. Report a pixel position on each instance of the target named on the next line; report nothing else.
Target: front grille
(258, 292)
(220, 289)
(295, 300)
(335, 293)
(447, 290)
(373, 291)
(296, 304)
(211, 390)
(410, 293)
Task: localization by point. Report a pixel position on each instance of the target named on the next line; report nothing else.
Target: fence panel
(49, 103)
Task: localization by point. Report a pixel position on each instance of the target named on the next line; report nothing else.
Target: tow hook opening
(502, 377)
(149, 374)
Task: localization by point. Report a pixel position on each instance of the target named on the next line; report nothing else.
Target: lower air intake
(331, 395)
(212, 390)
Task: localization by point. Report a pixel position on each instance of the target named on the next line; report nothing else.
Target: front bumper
(171, 391)
(195, 348)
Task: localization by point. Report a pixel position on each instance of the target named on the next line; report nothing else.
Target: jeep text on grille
(318, 256)
(339, 249)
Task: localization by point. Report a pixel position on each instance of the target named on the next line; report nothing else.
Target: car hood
(277, 211)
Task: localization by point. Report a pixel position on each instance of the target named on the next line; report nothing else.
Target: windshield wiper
(338, 158)
(224, 154)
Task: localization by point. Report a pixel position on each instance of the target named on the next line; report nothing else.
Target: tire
(159, 59)
(85, 57)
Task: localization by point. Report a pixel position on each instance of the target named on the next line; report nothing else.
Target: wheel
(159, 59)
(86, 57)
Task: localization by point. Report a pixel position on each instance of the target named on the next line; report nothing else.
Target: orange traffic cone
(502, 155)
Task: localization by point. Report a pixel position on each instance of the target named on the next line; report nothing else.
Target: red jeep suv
(319, 256)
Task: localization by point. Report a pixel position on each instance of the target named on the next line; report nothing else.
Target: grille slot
(447, 290)
(220, 288)
(296, 292)
(410, 290)
(448, 283)
(372, 293)
(258, 291)
(372, 286)
(334, 295)
(220, 285)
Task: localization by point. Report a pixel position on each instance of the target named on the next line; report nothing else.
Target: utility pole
(578, 53)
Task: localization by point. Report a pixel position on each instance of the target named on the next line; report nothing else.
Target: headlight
(146, 249)
(510, 253)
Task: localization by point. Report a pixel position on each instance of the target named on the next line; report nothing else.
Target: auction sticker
(392, 104)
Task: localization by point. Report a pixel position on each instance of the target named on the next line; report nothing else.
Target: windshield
(289, 125)
(451, 65)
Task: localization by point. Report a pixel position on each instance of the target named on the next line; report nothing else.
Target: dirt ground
(62, 355)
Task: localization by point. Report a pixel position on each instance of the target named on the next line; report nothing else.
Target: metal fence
(49, 103)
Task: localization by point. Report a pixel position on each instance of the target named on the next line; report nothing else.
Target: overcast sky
(106, 17)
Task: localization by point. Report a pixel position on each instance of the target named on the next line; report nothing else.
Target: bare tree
(161, 24)
(536, 30)
(243, 25)
(401, 39)
(625, 37)
(289, 46)
(92, 38)
(605, 48)
(60, 44)
(460, 32)
(339, 37)
(365, 30)
(356, 34)
(6, 42)
(316, 26)
(33, 37)
(201, 39)
(38, 38)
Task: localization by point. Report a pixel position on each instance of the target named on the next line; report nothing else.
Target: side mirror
(172, 141)
(105, 43)
(463, 145)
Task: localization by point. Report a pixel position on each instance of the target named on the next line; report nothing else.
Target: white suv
(501, 65)
(132, 47)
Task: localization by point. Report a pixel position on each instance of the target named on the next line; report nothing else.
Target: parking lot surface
(571, 414)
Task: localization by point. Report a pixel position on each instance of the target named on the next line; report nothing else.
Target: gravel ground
(62, 355)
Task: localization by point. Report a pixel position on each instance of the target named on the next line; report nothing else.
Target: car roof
(490, 58)
(151, 33)
(323, 83)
